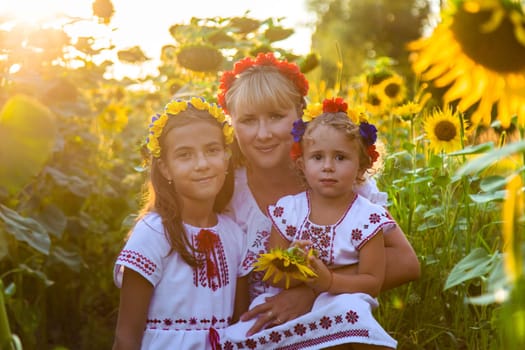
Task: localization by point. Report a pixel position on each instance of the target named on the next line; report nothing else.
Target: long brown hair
(161, 197)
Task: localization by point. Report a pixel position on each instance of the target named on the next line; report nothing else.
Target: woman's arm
(135, 297)
(402, 265)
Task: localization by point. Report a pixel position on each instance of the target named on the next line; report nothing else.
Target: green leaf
(488, 197)
(53, 219)
(478, 164)
(474, 149)
(25, 229)
(27, 136)
(492, 183)
(70, 259)
(477, 264)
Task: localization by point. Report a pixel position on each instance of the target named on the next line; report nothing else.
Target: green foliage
(27, 136)
(350, 32)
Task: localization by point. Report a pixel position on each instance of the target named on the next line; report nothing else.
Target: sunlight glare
(38, 11)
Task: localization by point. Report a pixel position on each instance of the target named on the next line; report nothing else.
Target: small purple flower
(368, 132)
(298, 130)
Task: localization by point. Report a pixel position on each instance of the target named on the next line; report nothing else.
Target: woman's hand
(285, 306)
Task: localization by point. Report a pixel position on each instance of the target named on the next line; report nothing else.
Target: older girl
(178, 270)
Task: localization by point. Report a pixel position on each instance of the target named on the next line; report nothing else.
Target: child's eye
(276, 116)
(183, 155)
(317, 157)
(247, 120)
(340, 157)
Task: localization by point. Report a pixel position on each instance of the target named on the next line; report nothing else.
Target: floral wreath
(172, 109)
(367, 131)
(290, 70)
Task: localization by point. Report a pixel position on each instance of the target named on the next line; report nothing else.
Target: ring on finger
(278, 320)
(270, 314)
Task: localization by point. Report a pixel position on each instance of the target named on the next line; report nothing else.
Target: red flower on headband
(334, 105)
(290, 70)
(372, 152)
(296, 151)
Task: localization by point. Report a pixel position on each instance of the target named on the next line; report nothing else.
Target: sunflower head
(443, 130)
(291, 263)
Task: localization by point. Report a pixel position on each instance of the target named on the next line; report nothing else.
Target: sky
(146, 23)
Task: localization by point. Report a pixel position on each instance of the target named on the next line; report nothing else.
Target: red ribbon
(214, 339)
(206, 242)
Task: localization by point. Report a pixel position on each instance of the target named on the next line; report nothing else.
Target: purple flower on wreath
(368, 132)
(299, 126)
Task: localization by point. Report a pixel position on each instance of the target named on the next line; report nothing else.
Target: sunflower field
(452, 134)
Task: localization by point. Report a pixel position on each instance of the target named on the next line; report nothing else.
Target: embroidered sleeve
(371, 220)
(284, 217)
(143, 253)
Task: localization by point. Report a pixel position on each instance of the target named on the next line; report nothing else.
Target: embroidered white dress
(187, 302)
(243, 209)
(335, 319)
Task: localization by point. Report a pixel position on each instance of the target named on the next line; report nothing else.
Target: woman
(264, 96)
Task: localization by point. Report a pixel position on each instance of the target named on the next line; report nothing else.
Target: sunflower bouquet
(290, 263)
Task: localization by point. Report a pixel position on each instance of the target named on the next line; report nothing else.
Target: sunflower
(477, 54)
(288, 263)
(443, 130)
(392, 89)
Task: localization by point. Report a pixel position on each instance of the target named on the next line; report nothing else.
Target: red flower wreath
(334, 105)
(290, 70)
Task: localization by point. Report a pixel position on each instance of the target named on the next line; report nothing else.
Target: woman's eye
(214, 150)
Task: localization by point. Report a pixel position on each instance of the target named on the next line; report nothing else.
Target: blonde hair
(263, 88)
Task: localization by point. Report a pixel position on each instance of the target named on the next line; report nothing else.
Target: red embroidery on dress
(251, 344)
(191, 323)
(275, 337)
(357, 234)
(212, 271)
(134, 258)
(299, 329)
(290, 231)
(278, 212)
(352, 316)
(374, 218)
(326, 322)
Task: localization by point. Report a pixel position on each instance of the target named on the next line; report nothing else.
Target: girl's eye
(276, 116)
(317, 157)
(183, 155)
(339, 157)
(247, 120)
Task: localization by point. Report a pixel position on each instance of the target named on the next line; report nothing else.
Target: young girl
(264, 96)
(341, 226)
(178, 270)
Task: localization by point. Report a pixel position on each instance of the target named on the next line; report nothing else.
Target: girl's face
(196, 161)
(265, 138)
(330, 162)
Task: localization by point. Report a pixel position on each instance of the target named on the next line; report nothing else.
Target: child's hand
(303, 245)
(324, 279)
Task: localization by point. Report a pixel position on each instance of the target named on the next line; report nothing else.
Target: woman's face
(264, 137)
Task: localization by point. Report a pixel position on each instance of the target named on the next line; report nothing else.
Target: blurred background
(444, 81)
